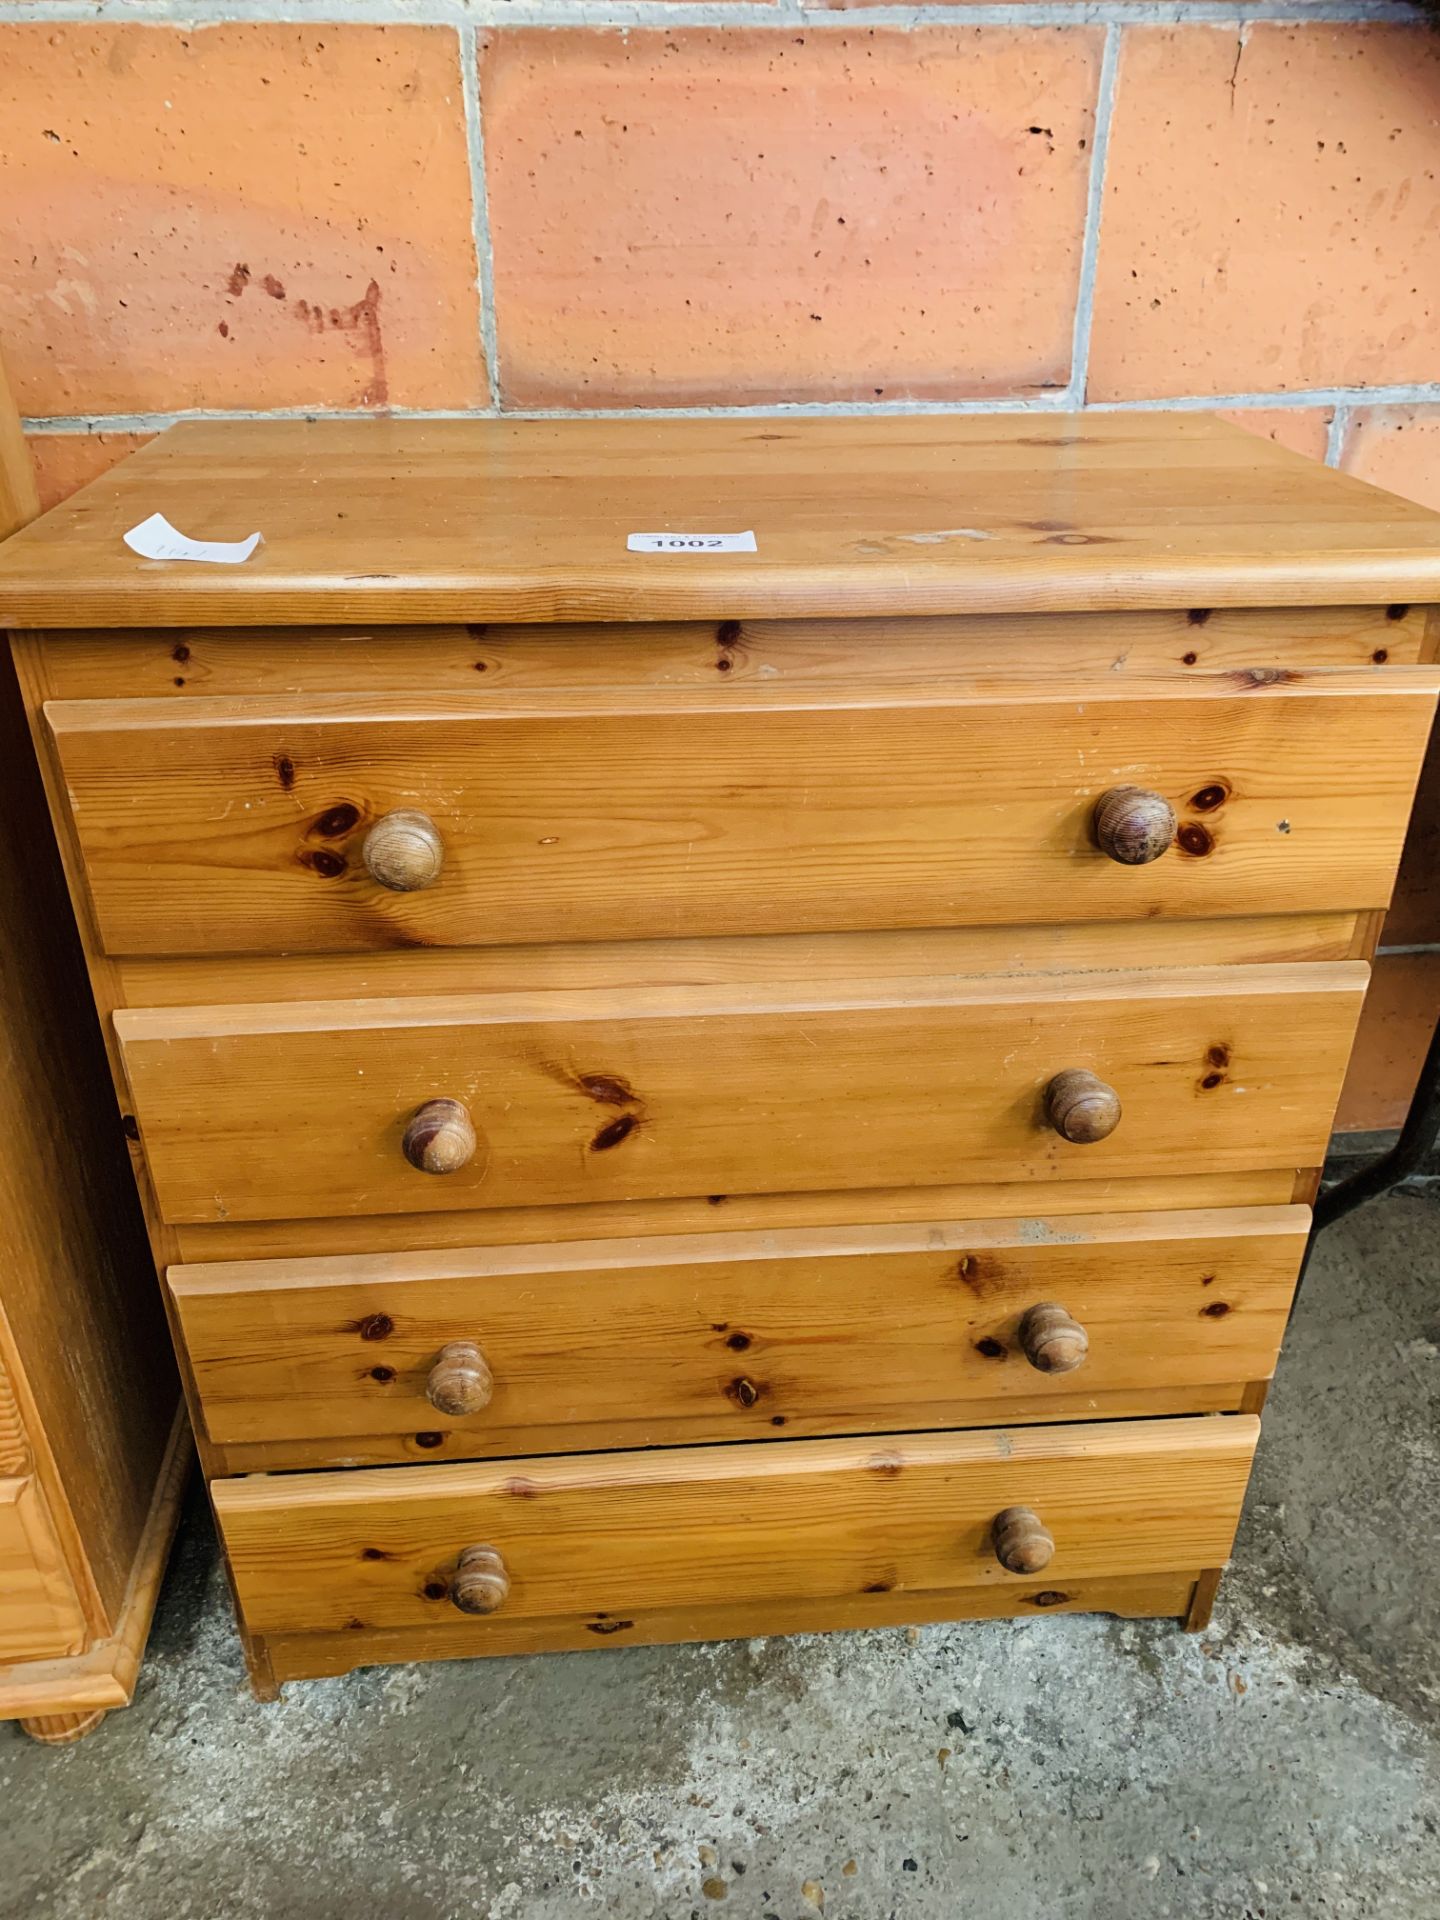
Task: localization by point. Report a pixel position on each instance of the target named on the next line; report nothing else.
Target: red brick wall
(739, 204)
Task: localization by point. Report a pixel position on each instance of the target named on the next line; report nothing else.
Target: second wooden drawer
(312, 1110)
(629, 1343)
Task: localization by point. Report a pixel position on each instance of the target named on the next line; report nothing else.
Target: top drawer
(248, 825)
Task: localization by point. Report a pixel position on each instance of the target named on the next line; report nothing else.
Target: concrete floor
(1076, 1769)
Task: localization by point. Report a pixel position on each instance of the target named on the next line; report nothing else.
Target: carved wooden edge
(23, 1440)
(62, 1729)
(104, 1676)
(14, 1443)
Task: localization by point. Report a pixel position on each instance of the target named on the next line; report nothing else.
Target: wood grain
(189, 663)
(15, 1455)
(804, 945)
(87, 1346)
(40, 1612)
(63, 1729)
(527, 521)
(221, 979)
(83, 1411)
(288, 1111)
(636, 1342)
(108, 993)
(103, 1674)
(310, 1656)
(608, 1533)
(465, 1227)
(19, 495)
(238, 825)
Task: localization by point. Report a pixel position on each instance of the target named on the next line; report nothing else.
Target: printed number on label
(691, 543)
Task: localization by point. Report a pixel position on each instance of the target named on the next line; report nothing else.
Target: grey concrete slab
(1285, 1762)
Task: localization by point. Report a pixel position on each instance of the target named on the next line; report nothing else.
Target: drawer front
(276, 1112)
(40, 1614)
(264, 825)
(614, 1535)
(186, 664)
(727, 1336)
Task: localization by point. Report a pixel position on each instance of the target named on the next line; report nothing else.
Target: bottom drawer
(505, 1551)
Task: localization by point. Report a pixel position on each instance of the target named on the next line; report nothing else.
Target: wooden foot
(1203, 1600)
(63, 1729)
(263, 1684)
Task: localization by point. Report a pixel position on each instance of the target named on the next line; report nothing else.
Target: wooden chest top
(391, 520)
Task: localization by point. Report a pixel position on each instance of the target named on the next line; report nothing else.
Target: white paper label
(691, 543)
(156, 539)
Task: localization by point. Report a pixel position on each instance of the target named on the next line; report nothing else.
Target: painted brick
(705, 216)
(1303, 429)
(65, 462)
(1397, 448)
(244, 216)
(1272, 211)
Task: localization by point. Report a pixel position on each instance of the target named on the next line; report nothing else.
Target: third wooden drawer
(491, 1351)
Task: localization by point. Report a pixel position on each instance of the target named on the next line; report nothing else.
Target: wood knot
(1195, 840)
(336, 821)
(1211, 797)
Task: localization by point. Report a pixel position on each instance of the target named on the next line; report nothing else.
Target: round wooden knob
(1133, 825)
(403, 851)
(481, 1583)
(439, 1138)
(460, 1382)
(1051, 1339)
(1021, 1543)
(1080, 1107)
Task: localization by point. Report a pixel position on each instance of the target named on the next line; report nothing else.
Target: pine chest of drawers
(700, 1092)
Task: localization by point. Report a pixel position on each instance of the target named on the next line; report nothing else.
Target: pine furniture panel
(621, 1533)
(699, 1094)
(301, 1109)
(91, 1449)
(233, 825)
(630, 1342)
